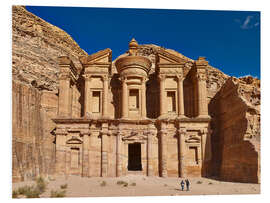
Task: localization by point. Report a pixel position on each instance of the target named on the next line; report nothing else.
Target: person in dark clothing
(182, 185)
(187, 184)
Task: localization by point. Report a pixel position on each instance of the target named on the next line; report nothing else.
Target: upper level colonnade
(87, 93)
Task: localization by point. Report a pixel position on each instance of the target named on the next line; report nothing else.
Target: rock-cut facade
(132, 116)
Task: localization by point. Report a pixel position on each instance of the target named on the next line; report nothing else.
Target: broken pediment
(165, 57)
(103, 56)
(74, 140)
(193, 139)
(135, 136)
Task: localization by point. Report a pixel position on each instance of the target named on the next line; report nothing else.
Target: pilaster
(181, 109)
(143, 97)
(64, 103)
(60, 166)
(85, 164)
(87, 95)
(182, 150)
(201, 65)
(162, 94)
(104, 150)
(118, 154)
(150, 136)
(105, 96)
(163, 146)
(124, 98)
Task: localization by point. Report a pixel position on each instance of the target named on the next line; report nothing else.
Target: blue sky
(230, 40)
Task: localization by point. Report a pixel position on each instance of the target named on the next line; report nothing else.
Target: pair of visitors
(183, 184)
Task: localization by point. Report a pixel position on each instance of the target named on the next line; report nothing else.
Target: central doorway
(134, 157)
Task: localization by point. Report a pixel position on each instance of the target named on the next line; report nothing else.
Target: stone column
(208, 146)
(125, 158)
(163, 146)
(60, 165)
(201, 64)
(105, 96)
(162, 94)
(118, 154)
(143, 96)
(87, 96)
(181, 143)
(85, 162)
(202, 96)
(181, 109)
(149, 153)
(124, 98)
(64, 104)
(104, 151)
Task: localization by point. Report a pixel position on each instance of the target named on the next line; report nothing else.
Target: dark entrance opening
(134, 157)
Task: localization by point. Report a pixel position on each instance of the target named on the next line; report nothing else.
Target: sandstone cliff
(235, 112)
(36, 44)
(234, 104)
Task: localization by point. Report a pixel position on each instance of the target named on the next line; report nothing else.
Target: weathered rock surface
(36, 44)
(235, 110)
(234, 104)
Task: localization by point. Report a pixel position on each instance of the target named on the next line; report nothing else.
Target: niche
(96, 100)
(193, 155)
(75, 158)
(134, 99)
(171, 103)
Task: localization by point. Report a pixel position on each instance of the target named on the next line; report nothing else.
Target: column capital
(60, 131)
(182, 131)
(150, 133)
(203, 131)
(85, 132)
(123, 78)
(144, 79)
(64, 76)
(180, 77)
(105, 77)
(120, 133)
(201, 76)
(104, 132)
(161, 77)
(87, 77)
(163, 132)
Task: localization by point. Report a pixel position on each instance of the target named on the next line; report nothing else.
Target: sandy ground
(145, 186)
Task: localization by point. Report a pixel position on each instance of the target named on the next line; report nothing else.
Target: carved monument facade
(132, 119)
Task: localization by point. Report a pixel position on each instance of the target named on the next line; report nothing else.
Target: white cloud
(249, 22)
(256, 24)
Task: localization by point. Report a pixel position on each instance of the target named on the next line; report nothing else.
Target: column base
(204, 116)
(164, 175)
(182, 117)
(88, 115)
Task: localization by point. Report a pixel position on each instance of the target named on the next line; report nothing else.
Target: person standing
(182, 185)
(187, 184)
